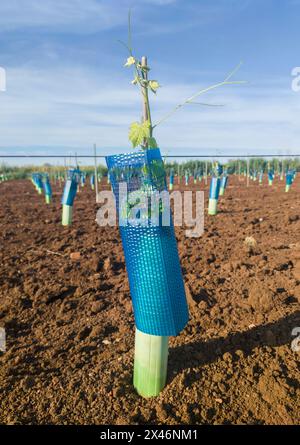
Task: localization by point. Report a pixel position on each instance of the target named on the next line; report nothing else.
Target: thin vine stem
(190, 100)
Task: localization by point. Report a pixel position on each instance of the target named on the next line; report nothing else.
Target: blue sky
(67, 88)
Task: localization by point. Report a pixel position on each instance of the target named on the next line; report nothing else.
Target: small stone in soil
(97, 306)
(75, 256)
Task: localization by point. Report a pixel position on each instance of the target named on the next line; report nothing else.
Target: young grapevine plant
(141, 133)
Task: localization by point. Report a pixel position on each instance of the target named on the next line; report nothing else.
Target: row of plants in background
(192, 168)
(72, 179)
(289, 176)
(218, 183)
(237, 166)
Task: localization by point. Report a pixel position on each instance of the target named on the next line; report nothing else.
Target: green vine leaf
(154, 85)
(130, 61)
(139, 132)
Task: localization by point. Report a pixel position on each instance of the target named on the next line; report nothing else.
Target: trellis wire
(166, 156)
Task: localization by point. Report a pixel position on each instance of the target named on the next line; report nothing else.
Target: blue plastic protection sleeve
(151, 255)
(214, 190)
(289, 179)
(47, 188)
(69, 192)
(39, 182)
(218, 169)
(224, 182)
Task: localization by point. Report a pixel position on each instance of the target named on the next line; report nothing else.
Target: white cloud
(76, 107)
(76, 15)
(91, 14)
(88, 16)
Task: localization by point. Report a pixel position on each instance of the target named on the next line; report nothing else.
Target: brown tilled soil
(66, 308)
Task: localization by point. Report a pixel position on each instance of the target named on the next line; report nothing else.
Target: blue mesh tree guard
(289, 178)
(37, 178)
(47, 186)
(71, 187)
(214, 190)
(172, 176)
(151, 254)
(224, 182)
